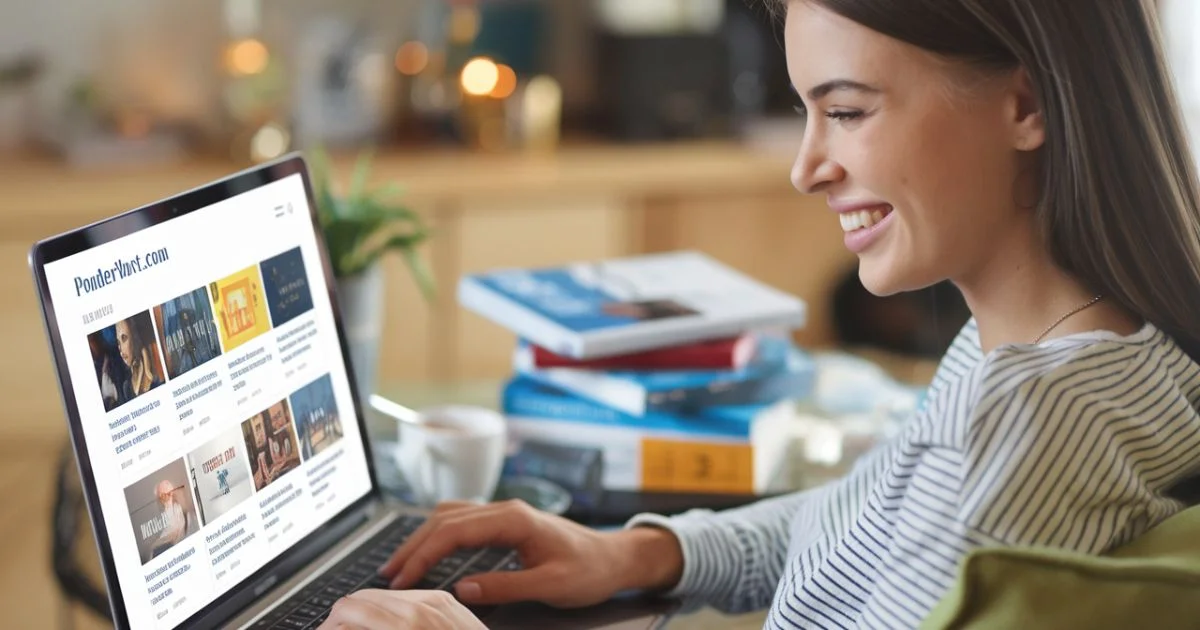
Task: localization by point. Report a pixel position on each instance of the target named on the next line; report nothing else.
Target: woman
(143, 371)
(1031, 153)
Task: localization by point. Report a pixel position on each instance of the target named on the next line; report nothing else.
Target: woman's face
(125, 343)
(917, 155)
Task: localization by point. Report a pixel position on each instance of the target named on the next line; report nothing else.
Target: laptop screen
(213, 397)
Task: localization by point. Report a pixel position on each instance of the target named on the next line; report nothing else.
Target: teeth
(860, 219)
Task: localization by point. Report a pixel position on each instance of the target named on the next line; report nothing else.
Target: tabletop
(29, 592)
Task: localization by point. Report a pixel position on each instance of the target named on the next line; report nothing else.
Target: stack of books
(664, 373)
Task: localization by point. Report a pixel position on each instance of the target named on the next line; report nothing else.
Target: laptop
(212, 410)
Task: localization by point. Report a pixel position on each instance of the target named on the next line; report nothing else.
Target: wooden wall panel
(408, 321)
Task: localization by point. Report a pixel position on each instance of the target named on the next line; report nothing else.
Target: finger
(451, 506)
(356, 613)
(495, 525)
(503, 587)
(423, 608)
(385, 598)
(397, 558)
(487, 525)
(400, 555)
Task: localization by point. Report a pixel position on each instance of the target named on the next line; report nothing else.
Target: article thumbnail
(271, 444)
(286, 285)
(220, 474)
(188, 331)
(161, 510)
(317, 419)
(127, 361)
(241, 308)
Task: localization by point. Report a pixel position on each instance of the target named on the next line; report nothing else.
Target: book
(587, 310)
(590, 449)
(732, 353)
(778, 370)
(526, 397)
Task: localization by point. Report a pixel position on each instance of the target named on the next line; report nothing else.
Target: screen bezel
(55, 248)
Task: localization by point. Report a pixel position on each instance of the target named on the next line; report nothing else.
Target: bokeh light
(506, 82)
(246, 57)
(480, 76)
(269, 142)
(412, 58)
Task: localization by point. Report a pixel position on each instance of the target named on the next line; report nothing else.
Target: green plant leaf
(379, 243)
(387, 190)
(358, 180)
(363, 225)
(420, 273)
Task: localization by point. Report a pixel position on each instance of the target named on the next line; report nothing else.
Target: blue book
(778, 371)
(589, 310)
(529, 399)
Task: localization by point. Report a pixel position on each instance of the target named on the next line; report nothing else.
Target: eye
(844, 115)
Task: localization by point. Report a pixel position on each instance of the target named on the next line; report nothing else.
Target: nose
(814, 170)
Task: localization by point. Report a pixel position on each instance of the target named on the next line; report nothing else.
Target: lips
(862, 221)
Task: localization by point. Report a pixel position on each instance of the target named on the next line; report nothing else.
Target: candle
(541, 113)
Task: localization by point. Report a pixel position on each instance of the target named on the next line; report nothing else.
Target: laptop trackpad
(616, 614)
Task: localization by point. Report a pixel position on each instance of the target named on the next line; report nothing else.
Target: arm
(731, 560)
(735, 559)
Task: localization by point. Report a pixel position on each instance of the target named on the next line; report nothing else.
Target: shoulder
(1069, 433)
(1017, 384)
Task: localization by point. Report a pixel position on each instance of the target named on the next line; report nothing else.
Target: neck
(1020, 292)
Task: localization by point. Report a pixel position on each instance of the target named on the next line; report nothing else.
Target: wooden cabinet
(487, 211)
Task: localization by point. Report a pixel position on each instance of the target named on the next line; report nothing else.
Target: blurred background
(519, 132)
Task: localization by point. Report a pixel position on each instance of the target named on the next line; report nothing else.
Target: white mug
(452, 453)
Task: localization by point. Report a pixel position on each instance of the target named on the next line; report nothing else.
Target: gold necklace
(1069, 313)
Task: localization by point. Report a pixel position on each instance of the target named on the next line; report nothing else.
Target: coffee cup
(452, 453)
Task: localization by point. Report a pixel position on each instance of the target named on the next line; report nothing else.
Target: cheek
(946, 179)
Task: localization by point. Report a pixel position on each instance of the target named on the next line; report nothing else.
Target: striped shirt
(1072, 443)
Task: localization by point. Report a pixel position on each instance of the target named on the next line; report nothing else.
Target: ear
(1025, 115)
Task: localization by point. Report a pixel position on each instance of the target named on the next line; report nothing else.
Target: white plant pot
(361, 297)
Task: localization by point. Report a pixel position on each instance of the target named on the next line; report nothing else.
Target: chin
(883, 277)
(878, 277)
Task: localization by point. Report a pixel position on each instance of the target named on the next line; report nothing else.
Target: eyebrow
(835, 85)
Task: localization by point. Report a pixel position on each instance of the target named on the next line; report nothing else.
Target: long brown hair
(1118, 207)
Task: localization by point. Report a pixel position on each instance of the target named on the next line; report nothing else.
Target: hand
(393, 610)
(565, 564)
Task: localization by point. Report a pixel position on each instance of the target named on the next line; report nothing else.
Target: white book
(596, 309)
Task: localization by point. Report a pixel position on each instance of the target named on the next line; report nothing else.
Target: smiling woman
(987, 144)
(1018, 185)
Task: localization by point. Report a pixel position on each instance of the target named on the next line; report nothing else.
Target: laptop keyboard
(309, 607)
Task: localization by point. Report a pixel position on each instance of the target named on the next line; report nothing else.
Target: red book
(717, 354)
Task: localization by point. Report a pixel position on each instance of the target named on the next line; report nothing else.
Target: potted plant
(360, 226)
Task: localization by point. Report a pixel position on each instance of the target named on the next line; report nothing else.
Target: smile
(865, 226)
(863, 219)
